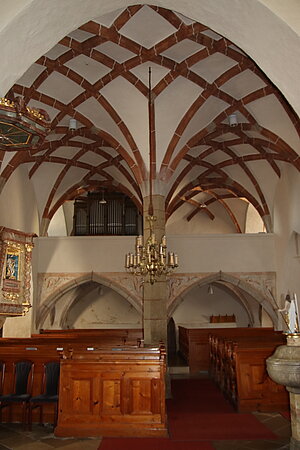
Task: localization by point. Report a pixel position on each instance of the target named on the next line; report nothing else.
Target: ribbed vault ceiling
(98, 74)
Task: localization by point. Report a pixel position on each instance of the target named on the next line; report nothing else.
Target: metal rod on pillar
(150, 114)
(151, 260)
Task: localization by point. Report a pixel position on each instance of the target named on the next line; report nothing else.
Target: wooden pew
(38, 354)
(255, 390)
(194, 343)
(242, 374)
(113, 393)
(219, 346)
(46, 347)
(127, 336)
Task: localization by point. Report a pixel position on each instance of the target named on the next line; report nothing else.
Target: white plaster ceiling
(99, 75)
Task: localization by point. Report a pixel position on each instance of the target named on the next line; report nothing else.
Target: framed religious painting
(12, 269)
(15, 282)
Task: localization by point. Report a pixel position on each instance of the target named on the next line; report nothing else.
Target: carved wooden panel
(109, 393)
(141, 394)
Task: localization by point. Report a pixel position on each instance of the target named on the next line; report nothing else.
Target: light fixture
(21, 127)
(233, 120)
(150, 259)
(210, 290)
(72, 124)
(102, 201)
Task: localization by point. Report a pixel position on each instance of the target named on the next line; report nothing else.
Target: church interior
(149, 222)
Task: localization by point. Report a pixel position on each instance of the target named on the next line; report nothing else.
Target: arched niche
(240, 290)
(55, 309)
(99, 306)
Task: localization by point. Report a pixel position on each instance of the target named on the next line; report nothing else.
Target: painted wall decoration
(15, 268)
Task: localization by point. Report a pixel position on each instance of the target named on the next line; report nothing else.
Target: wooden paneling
(109, 393)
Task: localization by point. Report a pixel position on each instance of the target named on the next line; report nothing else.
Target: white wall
(210, 253)
(286, 223)
(202, 224)
(254, 223)
(228, 253)
(68, 208)
(57, 226)
(198, 306)
(82, 254)
(18, 204)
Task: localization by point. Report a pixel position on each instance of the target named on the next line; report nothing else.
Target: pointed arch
(49, 302)
(239, 285)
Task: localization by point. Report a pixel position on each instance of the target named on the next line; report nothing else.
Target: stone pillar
(295, 420)
(155, 295)
(294, 392)
(284, 368)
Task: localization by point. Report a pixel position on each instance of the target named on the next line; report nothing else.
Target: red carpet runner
(197, 415)
(152, 444)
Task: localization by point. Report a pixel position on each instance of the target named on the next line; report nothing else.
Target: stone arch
(40, 27)
(235, 283)
(50, 301)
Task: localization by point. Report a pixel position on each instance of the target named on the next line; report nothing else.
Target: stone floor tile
(6, 433)
(16, 441)
(37, 445)
(59, 443)
(86, 444)
(38, 433)
(276, 423)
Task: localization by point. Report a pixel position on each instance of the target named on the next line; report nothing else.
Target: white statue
(290, 310)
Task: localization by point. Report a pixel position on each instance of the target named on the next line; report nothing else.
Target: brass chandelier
(150, 259)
